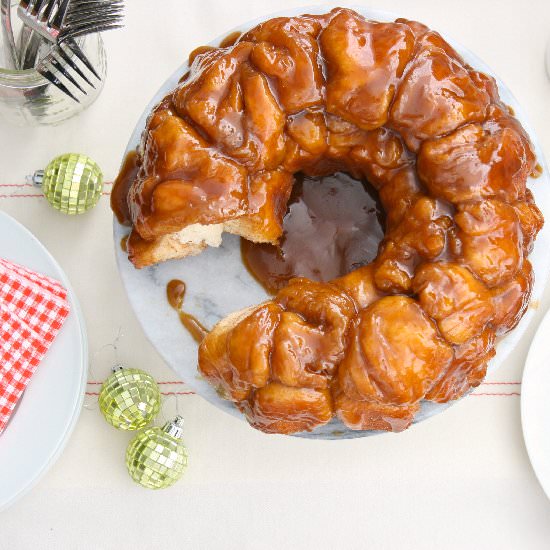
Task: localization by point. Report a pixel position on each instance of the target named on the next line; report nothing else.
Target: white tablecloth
(459, 480)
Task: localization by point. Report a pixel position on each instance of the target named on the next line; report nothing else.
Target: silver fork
(60, 62)
(31, 12)
(59, 20)
(44, 18)
(91, 16)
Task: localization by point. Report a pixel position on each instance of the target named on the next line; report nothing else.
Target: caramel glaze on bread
(390, 102)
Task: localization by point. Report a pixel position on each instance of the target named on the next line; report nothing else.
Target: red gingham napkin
(33, 308)
(51, 285)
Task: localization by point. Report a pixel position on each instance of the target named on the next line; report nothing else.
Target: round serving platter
(535, 412)
(218, 282)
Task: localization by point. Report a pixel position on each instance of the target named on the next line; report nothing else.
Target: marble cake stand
(218, 283)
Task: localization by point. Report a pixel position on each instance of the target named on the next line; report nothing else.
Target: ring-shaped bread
(390, 102)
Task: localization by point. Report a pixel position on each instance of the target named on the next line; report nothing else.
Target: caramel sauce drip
(333, 225)
(537, 171)
(124, 243)
(124, 180)
(175, 293)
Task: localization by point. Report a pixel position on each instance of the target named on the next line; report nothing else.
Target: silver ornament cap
(38, 177)
(174, 428)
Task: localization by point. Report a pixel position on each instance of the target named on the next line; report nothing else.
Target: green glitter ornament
(129, 398)
(71, 183)
(156, 458)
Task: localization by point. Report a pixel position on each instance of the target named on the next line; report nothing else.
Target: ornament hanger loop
(91, 404)
(166, 399)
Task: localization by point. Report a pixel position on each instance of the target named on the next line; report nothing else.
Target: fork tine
(93, 15)
(77, 7)
(90, 28)
(31, 5)
(80, 23)
(89, 22)
(55, 63)
(46, 7)
(75, 48)
(90, 16)
(48, 75)
(42, 7)
(99, 9)
(80, 3)
(67, 58)
(61, 14)
(50, 11)
(85, 4)
(75, 33)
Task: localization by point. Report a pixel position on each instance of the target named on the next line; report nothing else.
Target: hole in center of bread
(333, 225)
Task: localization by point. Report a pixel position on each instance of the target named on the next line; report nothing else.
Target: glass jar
(27, 98)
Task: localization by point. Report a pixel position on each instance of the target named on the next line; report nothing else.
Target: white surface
(217, 282)
(47, 413)
(535, 405)
(460, 480)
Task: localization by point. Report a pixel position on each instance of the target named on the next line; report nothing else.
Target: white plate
(218, 283)
(49, 408)
(535, 405)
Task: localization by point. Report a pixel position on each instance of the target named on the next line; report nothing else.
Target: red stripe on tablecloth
(158, 382)
(34, 195)
(32, 185)
(514, 393)
(171, 382)
(21, 196)
(31, 195)
(478, 394)
(163, 393)
(16, 185)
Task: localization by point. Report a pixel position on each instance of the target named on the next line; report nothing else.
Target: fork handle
(7, 31)
(29, 44)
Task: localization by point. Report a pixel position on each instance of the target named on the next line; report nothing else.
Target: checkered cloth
(33, 308)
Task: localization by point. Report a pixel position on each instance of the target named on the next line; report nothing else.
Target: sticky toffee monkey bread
(390, 102)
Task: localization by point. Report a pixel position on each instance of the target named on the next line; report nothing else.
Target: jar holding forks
(64, 80)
